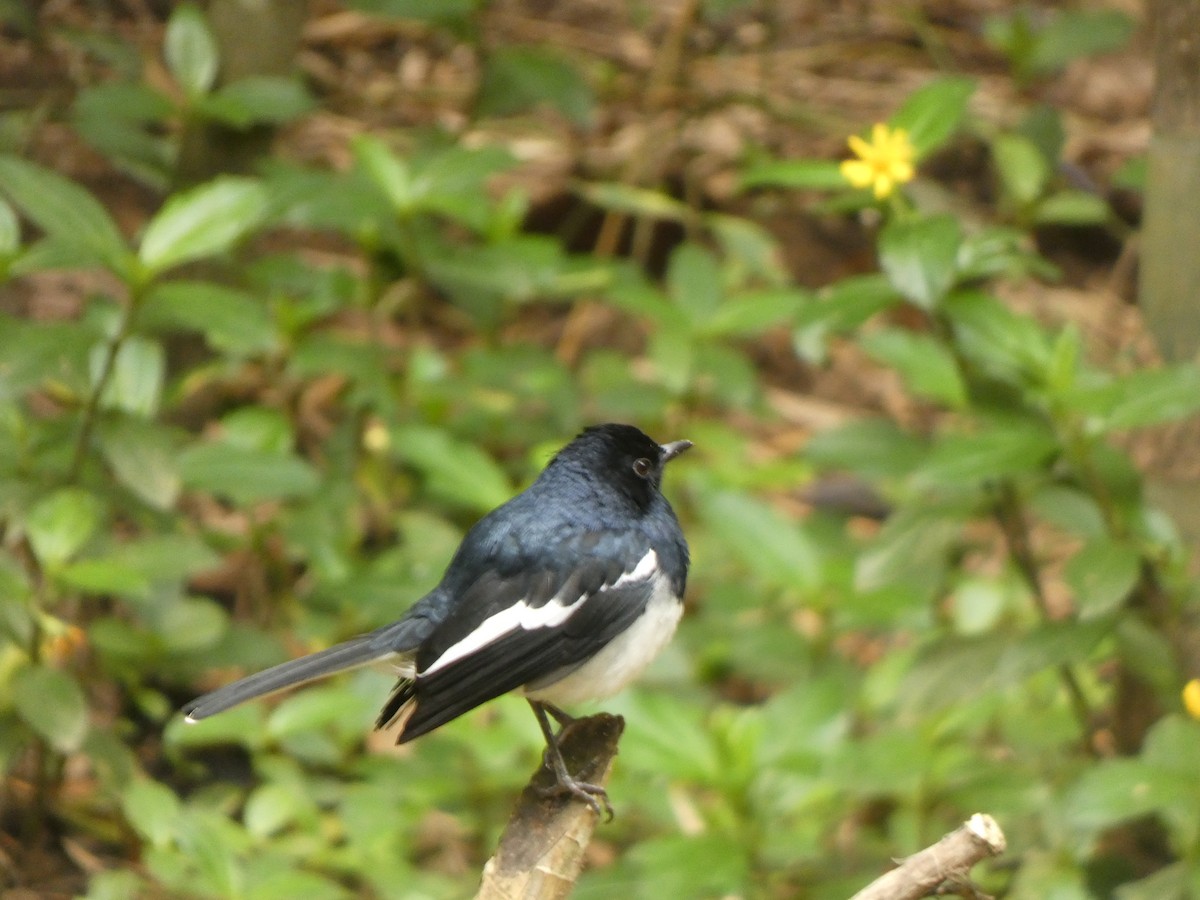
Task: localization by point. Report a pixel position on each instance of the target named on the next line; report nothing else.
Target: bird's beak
(673, 449)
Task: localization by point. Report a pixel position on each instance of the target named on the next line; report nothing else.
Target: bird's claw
(592, 794)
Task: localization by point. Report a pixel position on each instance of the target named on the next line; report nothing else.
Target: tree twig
(947, 861)
(541, 852)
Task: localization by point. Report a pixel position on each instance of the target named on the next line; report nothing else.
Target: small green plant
(1039, 43)
(139, 127)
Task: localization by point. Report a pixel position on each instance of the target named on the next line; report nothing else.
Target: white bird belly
(624, 658)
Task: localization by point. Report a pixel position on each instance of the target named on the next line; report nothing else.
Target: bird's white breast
(624, 657)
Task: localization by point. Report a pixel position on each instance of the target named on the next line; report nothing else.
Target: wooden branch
(947, 861)
(540, 854)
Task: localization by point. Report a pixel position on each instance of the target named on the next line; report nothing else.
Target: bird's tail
(351, 654)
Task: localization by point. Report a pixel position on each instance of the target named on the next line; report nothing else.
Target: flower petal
(901, 171)
(860, 174)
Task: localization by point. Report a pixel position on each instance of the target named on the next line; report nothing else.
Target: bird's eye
(641, 468)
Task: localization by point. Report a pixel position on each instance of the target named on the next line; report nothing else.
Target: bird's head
(622, 457)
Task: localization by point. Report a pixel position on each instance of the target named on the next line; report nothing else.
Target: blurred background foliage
(248, 414)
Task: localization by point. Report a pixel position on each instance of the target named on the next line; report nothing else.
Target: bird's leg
(562, 718)
(592, 794)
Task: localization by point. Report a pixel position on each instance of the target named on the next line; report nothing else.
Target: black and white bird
(564, 593)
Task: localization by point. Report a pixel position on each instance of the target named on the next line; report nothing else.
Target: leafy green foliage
(518, 78)
(138, 125)
(233, 455)
(1040, 43)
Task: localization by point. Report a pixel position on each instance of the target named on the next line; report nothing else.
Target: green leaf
(152, 809)
(209, 842)
(1005, 449)
(1102, 574)
(1022, 168)
(10, 230)
(926, 365)
(998, 250)
(459, 471)
(66, 213)
(191, 50)
(453, 179)
(246, 476)
(33, 354)
(52, 704)
(258, 428)
(749, 250)
(1071, 34)
(1148, 654)
(752, 313)
(636, 201)
(233, 322)
(1178, 879)
(1049, 645)
(165, 557)
(1044, 127)
(673, 353)
(696, 865)
(517, 79)
(1003, 344)
(270, 808)
(933, 113)
(389, 173)
(104, 576)
(1116, 790)
(870, 447)
(694, 281)
(1131, 175)
(1170, 745)
(204, 221)
(912, 549)
(447, 12)
(1072, 208)
(1069, 508)
(136, 380)
(130, 103)
(959, 668)
(191, 624)
(813, 174)
(61, 523)
(840, 308)
(1148, 397)
(919, 257)
(772, 547)
(318, 708)
(263, 99)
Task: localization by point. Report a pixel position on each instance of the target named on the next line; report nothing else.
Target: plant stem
(92, 410)
(1011, 518)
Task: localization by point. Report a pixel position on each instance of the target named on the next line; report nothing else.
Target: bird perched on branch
(564, 593)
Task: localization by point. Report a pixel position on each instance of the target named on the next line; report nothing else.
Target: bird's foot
(592, 794)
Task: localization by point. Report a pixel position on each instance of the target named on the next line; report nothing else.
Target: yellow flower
(883, 163)
(376, 438)
(1191, 698)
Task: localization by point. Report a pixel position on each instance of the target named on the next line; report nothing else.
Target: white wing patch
(643, 571)
(624, 657)
(522, 615)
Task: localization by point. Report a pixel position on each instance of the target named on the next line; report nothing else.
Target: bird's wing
(511, 629)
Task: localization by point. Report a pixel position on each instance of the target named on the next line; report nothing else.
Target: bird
(564, 594)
